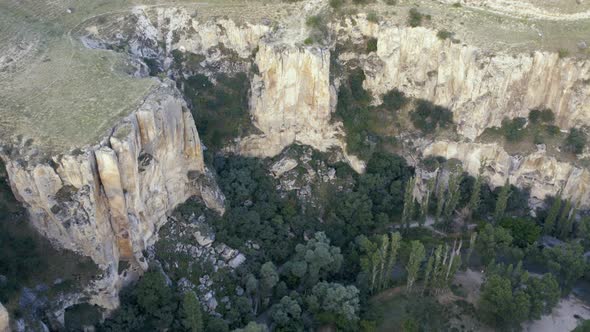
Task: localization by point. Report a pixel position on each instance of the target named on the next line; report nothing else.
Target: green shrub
(308, 41)
(575, 141)
(545, 115)
(513, 129)
(314, 21)
(391, 2)
(372, 45)
(372, 17)
(457, 5)
(415, 18)
(394, 100)
(562, 53)
(444, 34)
(336, 4)
(428, 117)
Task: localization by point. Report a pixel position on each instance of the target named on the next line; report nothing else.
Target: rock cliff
(542, 174)
(4, 320)
(108, 201)
(479, 87)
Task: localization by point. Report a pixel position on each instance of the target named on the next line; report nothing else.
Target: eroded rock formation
(544, 175)
(108, 201)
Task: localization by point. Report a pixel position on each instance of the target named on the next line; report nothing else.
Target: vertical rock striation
(108, 201)
(479, 87)
(542, 174)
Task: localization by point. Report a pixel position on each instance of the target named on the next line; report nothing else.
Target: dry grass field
(58, 95)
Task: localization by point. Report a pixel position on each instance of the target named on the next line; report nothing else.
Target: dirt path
(562, 318)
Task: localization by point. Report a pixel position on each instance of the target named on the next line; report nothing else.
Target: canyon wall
(542, 174)
(292, 98)
(479, 87)
(108, 201)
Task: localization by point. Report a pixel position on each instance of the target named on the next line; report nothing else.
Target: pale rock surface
(283, 166)
(4, 319)
(480, 88)
(108, 201)
(292, 101)
(544, 175)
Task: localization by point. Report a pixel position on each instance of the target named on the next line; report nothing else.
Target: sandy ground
(562, 318)
(470, 281)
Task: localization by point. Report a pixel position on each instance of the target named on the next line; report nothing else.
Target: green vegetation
(510, 296)
(336, 4)
(563, 53)
(512, 129)
(444, 34)
(575, 141)
(220, 110)
(415, 19)
(428, 117)
(372, 45)
(359, 118)
(372, 17)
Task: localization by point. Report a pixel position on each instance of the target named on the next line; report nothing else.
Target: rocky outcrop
(542, 174)
(108, 201)
(292, 98)
(480, 88)
(292, 101)
(4, 320)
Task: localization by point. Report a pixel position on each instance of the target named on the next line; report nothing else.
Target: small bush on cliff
(428, 117)
(415, 18)
(575, 141)
(513, 129)
(444, 34)
(372, 45)
(541, 116)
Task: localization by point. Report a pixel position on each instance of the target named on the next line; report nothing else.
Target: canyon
(107, 198)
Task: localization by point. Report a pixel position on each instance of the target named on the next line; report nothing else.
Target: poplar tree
(428, 271)
(502, 201)
(564, 220)
(394, 244)
(383, 252)
(454, 192)
(549, 225)
(472, 240)
(193, 316)
(408, 202)
(426, 202)
(440, 202)
(417, 253)
(474, 199)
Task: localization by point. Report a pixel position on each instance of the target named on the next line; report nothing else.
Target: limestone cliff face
(479, 88)
(4, 320)
(544, 175)
(108, 201)
(292, 98)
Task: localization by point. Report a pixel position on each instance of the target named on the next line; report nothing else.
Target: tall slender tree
(474, 199)
(562, 224)
(408, 202)
(426, 201)
(441, 196)
(472, 240)
(551, 219)
(394, 244)
(502, 202)
(417, 253)
(454, 192)
(193, 316)
(383, 253)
